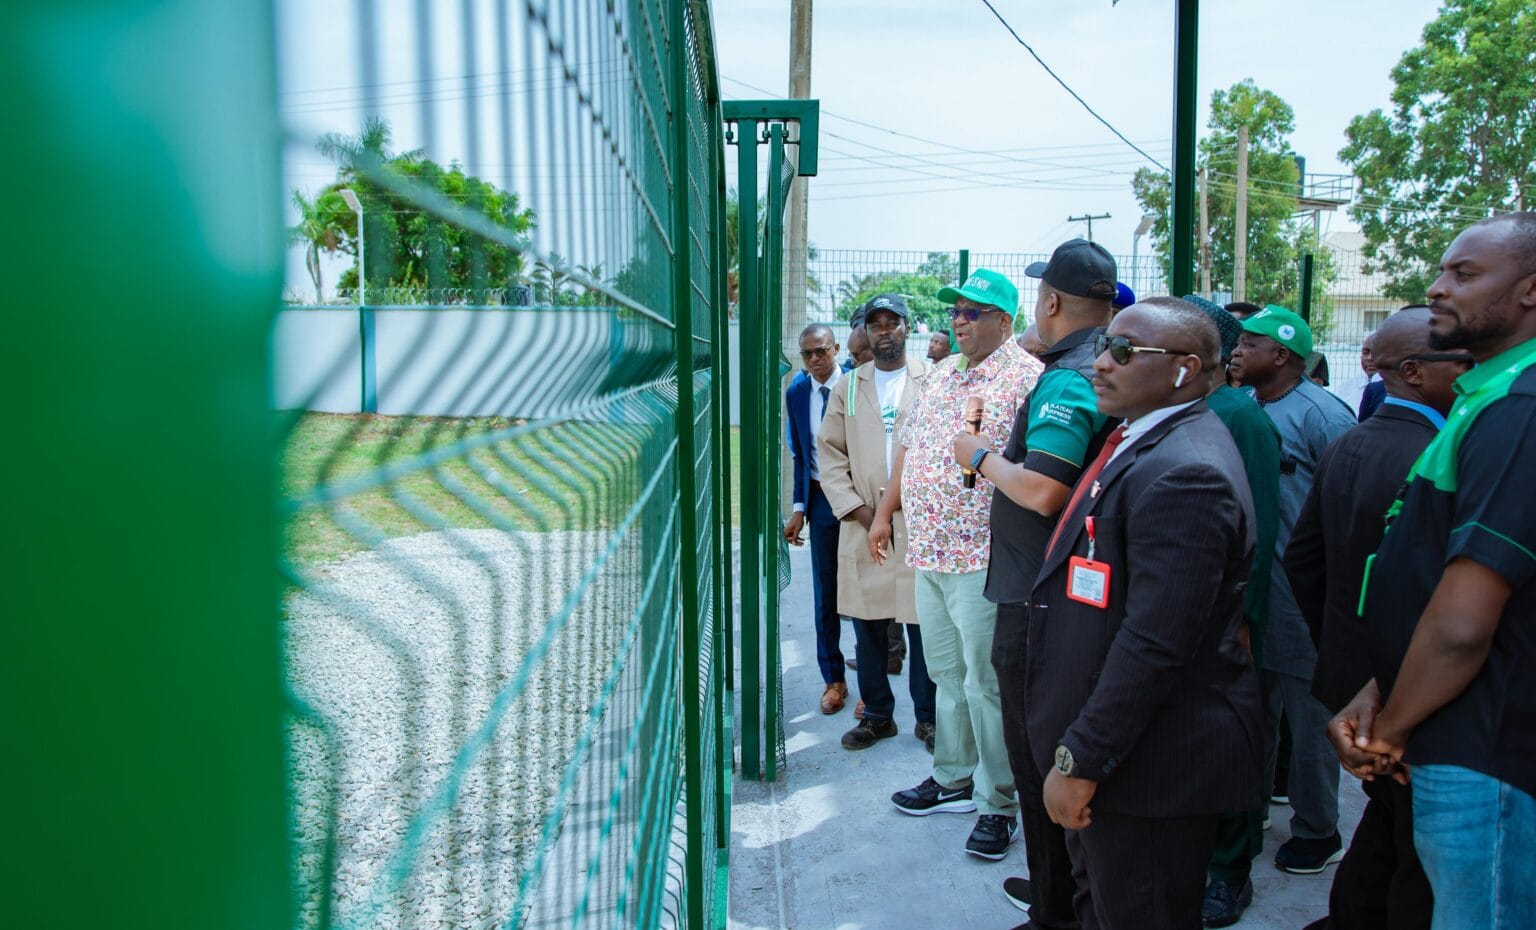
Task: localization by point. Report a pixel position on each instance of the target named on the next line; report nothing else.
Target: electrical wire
(1075, 96)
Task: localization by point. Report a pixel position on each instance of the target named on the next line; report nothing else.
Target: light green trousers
(957, 623)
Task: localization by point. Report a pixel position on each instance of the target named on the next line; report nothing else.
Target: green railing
(504, 624)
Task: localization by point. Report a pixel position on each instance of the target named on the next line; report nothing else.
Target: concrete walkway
(823, 849)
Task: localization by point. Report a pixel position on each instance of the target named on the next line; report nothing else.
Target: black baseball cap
(1080, 268)
(895, 303)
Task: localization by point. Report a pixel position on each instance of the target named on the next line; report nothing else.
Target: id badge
(1088, 581)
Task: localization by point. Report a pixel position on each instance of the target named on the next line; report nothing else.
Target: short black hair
(1242, 309)
(817, 329)
(1192, 325)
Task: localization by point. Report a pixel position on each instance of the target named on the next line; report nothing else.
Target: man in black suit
(1141, 698)
(1380, 883)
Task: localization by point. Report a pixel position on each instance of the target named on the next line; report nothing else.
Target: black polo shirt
(1470, 495)
(1055, 433)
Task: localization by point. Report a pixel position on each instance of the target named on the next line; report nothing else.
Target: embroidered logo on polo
(1056, 413)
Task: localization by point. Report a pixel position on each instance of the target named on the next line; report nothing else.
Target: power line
(1068, 89)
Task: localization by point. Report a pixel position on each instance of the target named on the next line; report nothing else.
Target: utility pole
(1090, 217)
(1205, 238)
(796, 252)
(1240, 224)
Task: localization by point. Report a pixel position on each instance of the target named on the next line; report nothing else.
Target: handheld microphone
(973, 414)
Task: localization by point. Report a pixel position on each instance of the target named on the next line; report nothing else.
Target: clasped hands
(1367, 743)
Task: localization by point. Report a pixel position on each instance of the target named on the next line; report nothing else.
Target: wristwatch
(1065, 764)
(976, 458)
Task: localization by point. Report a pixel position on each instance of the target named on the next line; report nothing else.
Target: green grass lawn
(576, 475)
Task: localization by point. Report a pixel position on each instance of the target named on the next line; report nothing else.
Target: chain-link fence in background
(1347, 300)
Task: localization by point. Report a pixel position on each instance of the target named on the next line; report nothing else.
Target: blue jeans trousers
(1476, 837)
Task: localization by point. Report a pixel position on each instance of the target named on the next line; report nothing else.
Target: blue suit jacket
(1370, 399)
(802, 440)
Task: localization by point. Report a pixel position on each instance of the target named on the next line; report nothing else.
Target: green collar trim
(1478, 389)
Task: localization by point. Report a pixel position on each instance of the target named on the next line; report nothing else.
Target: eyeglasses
(818, 352)
(1121, 349)
(971, 313)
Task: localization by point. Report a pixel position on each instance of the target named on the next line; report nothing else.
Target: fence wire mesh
(1348, 300)
(502, 470)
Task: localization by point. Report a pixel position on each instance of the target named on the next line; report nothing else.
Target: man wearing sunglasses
(1270, 361)
(1057, 431)
(948, 544)
(806, 402)
(1379, 882)
(1142, 703)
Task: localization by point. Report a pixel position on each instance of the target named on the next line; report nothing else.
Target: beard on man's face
(1488, 328)
(888, 351)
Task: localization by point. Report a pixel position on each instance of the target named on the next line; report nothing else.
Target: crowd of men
(1143, 562)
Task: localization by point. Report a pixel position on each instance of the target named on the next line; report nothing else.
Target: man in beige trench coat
(854, 452)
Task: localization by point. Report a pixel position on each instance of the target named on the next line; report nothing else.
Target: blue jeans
(1476, 837)
(872, 639)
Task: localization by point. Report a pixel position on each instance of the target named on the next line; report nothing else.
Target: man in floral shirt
(948, 539)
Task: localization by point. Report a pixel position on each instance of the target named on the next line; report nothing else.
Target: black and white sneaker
(1016, 890)
(993, 835)
(933, 798)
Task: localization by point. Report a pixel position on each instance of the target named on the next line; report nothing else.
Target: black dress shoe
(869, 732)
(1225, 902)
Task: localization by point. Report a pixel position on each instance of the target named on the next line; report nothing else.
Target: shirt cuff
(799, 507)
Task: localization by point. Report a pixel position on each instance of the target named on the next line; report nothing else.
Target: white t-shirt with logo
(888, 386)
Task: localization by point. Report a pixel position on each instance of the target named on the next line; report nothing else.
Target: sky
(939, 131)
(948, 72)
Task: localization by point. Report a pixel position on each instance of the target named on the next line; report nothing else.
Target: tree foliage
(408, 247)
(1276, 239)
(1458, 144)
(919, 286)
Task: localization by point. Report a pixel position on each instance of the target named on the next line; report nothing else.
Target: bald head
(1402, 334)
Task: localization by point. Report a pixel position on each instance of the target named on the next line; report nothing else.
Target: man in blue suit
(806, 402)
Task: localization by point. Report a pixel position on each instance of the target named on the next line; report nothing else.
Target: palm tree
(317, 231)
(368, 149)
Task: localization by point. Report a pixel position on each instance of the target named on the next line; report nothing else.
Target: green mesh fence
(503, 468)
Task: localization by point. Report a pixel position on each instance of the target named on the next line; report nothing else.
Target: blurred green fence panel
(504, 617)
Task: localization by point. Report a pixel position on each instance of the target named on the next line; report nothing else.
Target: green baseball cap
(985, 286)
(1283, 326)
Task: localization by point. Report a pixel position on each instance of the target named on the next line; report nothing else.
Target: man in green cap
(1270, 360)
(948, 542)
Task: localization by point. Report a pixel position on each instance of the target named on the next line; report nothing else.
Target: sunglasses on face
(818, 352)
(970, 313)
(1121, 349)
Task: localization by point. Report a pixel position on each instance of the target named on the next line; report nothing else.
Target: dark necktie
(826, 396)
(1087, 481)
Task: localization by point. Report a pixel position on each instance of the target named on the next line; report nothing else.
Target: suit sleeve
(1186, 524)
(1306, 557)
(794, 449)
(832, 457)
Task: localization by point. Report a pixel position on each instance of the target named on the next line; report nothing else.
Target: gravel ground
(400, 651)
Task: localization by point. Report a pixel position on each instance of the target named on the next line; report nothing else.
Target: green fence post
(140, 683)
(689, 615)
(773, 310)
(1306, 288)
(753, 383)
(965, 266)
(1181, 277)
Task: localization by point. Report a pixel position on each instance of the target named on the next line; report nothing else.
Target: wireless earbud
(1179, 381)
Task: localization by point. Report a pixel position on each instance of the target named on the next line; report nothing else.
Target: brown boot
(834, 697)
(858, 710)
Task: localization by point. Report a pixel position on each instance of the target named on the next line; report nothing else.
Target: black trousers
(1380, 884)
(1141, 873)
(1052, 888)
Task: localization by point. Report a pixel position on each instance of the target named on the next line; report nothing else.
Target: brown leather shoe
(834, 697)
(858, 710)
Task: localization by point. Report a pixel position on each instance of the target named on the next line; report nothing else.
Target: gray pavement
(823, 849)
